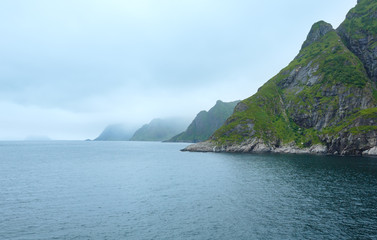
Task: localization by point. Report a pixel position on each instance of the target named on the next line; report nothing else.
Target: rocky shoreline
(256, 146)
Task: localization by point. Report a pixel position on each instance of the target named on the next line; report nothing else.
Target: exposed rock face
(372, 151)
(324, 101)
(359, 33)
(318, 30)
(358, 136)
(255, 146)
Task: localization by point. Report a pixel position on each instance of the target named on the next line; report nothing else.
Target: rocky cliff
(359, 33)
(206, 123)
(324, 101)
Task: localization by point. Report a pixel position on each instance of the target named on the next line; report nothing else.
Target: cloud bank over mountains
(69, 68)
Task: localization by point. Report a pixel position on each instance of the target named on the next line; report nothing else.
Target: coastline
(257, 146)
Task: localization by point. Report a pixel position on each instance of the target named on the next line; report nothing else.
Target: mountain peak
(318, 30)
(324, 101)
(366, 1)
(359, 33)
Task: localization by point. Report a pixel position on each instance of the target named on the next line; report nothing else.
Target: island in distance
(206, 123)
(324, 101)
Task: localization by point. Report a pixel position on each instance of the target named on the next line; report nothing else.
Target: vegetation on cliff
(327, 95)
(206, 123)
(361, 20)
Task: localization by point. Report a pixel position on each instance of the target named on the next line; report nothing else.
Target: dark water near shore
(136, 190)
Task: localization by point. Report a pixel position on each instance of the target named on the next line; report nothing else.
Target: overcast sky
(68, 68)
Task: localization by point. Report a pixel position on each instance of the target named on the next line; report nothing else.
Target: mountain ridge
(115, 132)
(160, 129)
(206, 123)
(324, 101)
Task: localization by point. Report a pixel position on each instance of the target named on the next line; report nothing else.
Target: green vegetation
(362, 129)
(336, 63)
(347, 124)
(362, 22)
(206, 123)
(270, 122)
(281, 111)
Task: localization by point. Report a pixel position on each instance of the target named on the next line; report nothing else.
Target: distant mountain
(115, 132)
(206, 123)
(160, 129)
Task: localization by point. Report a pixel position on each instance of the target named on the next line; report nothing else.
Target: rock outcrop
(255, 146)
(318, 30)
(359, 32)
(324, 101)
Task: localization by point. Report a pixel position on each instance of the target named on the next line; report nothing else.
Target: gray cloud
(69, 68)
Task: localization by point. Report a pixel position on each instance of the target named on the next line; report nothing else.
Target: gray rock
(318, 30)
(363, 44)
(201, 147)
(255, 145)
(371, 152)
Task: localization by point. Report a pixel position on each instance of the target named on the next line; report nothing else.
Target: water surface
(141, 190)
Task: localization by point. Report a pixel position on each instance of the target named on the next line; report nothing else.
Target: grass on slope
(266, 109)
(361, 20)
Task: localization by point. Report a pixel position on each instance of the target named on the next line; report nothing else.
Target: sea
(148, 190)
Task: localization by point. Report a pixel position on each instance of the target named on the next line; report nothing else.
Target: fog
(69, 68)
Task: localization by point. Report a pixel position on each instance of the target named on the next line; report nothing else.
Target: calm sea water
(138, 190)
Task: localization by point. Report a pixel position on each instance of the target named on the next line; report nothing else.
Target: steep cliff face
(359, 32)
(355, 136)
(324, 101)
(206, 123)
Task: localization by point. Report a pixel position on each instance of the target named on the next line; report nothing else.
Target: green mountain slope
(324, 101)
(359, 32)
(160, 129)
(206, 123)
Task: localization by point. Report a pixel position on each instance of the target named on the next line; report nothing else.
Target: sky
(69, 68)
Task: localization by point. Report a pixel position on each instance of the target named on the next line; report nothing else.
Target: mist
(70, 68)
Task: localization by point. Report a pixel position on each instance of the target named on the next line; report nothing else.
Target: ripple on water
(141, 190)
